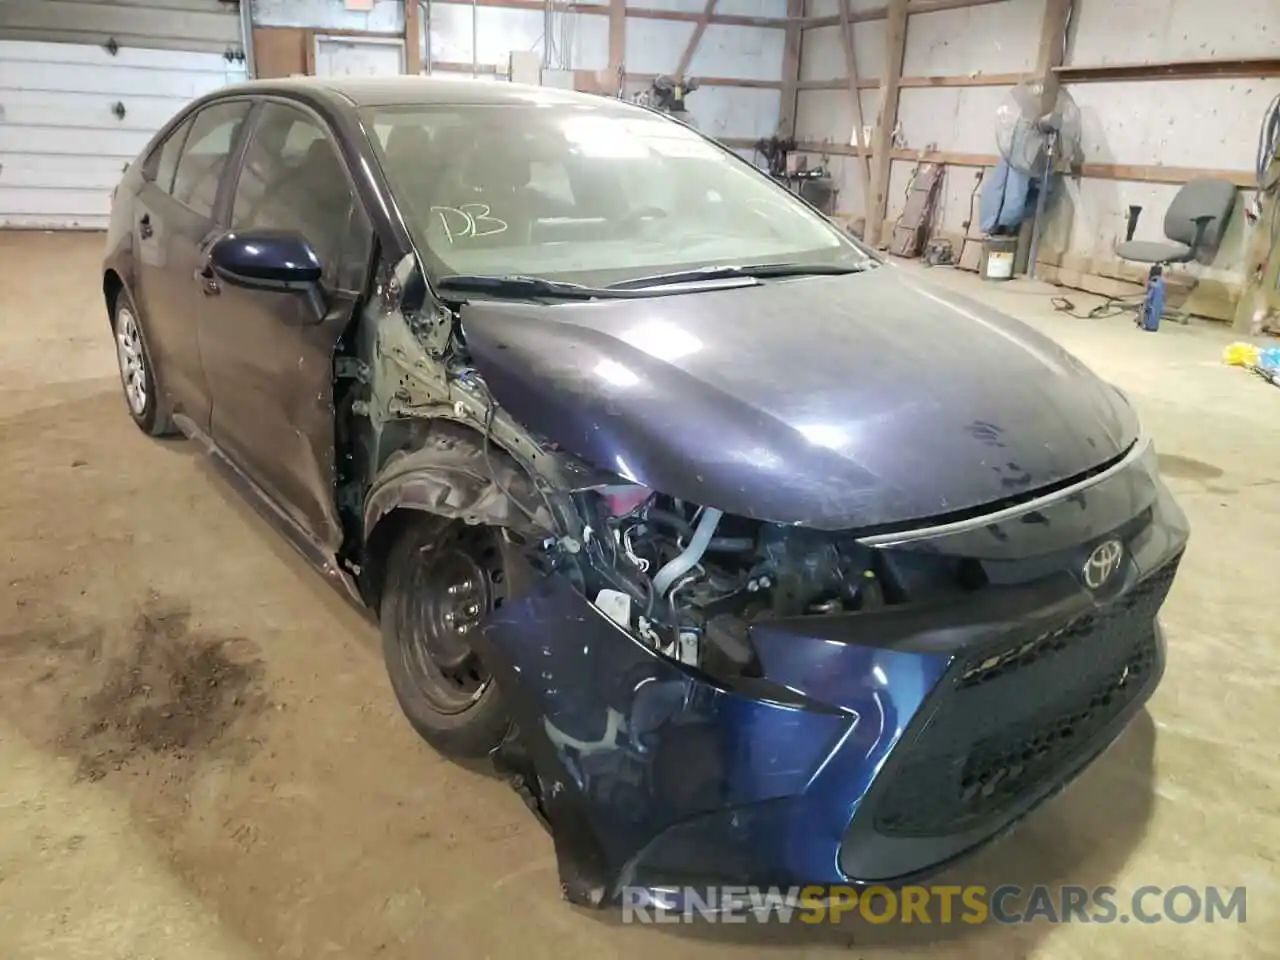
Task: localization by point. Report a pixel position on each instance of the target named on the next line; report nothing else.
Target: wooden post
(412, 37)
(699, 28)
(882, 150)
(617, 44)
(851, 77)
(1053, 49)
(791, 70)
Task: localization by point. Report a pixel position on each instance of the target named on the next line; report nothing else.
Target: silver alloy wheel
(133, 371)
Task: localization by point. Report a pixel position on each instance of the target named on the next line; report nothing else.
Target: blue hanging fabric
(1008, 197)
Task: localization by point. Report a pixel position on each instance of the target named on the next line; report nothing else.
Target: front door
(173, 220)
(268, 355)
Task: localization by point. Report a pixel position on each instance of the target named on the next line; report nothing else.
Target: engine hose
(641, 590)
(717, 545)
(673, 570)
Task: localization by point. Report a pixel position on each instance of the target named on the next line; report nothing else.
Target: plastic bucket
(997, 257)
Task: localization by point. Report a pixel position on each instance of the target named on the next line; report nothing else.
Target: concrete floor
(201, 756)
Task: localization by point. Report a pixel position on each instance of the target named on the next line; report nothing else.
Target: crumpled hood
(832, 402)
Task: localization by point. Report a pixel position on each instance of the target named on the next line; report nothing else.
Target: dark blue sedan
(748, 557)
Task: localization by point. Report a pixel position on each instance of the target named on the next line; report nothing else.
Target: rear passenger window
(163, 161)
(204, 157)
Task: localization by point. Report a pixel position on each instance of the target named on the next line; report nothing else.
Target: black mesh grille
(1006, 720)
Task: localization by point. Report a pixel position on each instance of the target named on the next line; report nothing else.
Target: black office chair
(1193, 226)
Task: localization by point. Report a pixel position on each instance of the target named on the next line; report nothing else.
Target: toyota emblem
(1102, 564)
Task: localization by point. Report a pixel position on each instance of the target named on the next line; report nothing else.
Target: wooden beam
(699, 28)
(1052, 52)
(894, 50)
(412, 37)
(357, 34)
(617, 43)
(643, 13)
(717, 81)
(976, 80)
(1157, 173)
(882, 13)
(458, 66)
(855, 95)
(791, 70)
(684, 16)
(960, 80)
(1240, 67)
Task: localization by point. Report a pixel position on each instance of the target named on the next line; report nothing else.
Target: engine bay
(690, 581)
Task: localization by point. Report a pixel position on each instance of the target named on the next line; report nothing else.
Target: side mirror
(266, 260)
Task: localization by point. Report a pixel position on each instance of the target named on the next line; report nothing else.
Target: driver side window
(293, 179)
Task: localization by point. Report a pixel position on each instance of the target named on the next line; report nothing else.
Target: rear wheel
(442, 579)
(137, 373)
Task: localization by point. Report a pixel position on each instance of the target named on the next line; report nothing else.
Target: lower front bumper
(883, 745)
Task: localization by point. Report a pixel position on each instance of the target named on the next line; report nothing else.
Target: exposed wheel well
(112, 286)
(446, 480)
(373, 569)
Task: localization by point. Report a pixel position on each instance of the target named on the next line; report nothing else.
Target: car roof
(409, 90)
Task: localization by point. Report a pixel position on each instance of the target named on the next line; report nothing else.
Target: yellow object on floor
(1240, 355)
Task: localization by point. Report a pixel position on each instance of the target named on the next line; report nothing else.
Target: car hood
(869, 399)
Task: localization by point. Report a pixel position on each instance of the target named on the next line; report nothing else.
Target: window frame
(151, 165)
(235, 168)
(188, 121)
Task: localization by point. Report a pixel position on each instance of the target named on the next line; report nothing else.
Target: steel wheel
(133, 368)
(452, 585)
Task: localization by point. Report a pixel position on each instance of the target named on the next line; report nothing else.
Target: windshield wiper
(519, 286)
(762, 271)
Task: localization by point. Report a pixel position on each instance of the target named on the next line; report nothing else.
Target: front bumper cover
(881, 745)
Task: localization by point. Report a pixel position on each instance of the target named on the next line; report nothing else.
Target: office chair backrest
(1199, 198)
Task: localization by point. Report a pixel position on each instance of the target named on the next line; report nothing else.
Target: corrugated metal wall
(211, 26)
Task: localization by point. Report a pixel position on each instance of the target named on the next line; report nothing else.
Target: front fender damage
(453, 476)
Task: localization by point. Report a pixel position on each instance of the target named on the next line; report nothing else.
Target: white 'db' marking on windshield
(474, 217)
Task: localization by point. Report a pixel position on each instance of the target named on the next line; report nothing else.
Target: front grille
(1005, 721)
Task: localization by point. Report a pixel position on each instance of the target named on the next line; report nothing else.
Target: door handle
(144, 226)
(209, 285)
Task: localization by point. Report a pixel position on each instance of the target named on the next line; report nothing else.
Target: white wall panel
(735, 8)
(1185, 123)
(829, 8)
(747, 53)
(827, 115)
(654, 46)
(959, 119)
(822, 53)
(579, 41)
(386, 15)
(1136, 31)
(735, 111)
(993, 38)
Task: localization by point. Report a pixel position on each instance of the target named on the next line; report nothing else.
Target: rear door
(173, 221)
(268, 355)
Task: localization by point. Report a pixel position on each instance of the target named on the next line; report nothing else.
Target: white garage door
(72, 116)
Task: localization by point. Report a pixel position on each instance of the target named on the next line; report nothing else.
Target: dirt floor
(200, 756)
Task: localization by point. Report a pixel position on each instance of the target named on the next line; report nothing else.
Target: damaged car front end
(762, 575)
(776, 664)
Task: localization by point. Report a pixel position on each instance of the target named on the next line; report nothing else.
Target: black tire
(447, 694)
(149, 410)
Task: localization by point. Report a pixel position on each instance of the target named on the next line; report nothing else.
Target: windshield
(586, 194)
